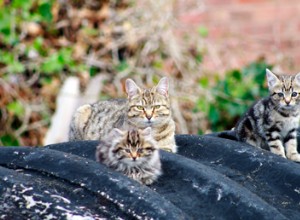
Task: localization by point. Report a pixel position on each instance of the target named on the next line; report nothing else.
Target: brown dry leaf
(32, 29)
(55, 11)
(63, 42)
(79, 50)
(104, 12)
(49, 92)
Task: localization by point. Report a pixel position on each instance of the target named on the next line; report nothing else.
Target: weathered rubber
(273, 178)
(211, 177)
(128, 198)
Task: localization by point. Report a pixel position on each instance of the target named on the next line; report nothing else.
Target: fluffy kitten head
(148, 107)
(284, 89)
(133, 147)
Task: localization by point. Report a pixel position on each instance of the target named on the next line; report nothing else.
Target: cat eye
(140, 150)
(157, 106)
(127, 150)
(139, 107)
(294, 94)
(150, 149)
(280, 94)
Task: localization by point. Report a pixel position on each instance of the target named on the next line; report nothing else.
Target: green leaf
(93, 71)
(236, 74)
(204, 82)
(16, 108)
(203, 31)
(6, 57)
(202, 105)
(46, 80)
(9, 140)
(38, 44)
(199, 58)
(52, 64)
(214, 115)
(123, 65)
(12, 65)
(16, 67)
(158, 64)
(25, 5)
(45, 11)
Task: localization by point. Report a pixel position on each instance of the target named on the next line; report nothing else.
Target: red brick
(242, 30)
(253, 1)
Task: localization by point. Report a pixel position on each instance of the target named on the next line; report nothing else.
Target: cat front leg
(290, 142)
(275, 144)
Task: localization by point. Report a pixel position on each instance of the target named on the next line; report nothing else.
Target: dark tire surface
(211, 177)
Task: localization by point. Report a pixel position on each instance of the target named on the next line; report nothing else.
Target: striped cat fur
(272, 122)
(143, 108)
(133, 153)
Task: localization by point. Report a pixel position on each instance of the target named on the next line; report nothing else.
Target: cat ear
(163, 86)
(297, 79)
(147, 131)
(116, 133)
(131, 88)
(272, 78)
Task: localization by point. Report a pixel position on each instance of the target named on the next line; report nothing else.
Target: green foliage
(9, 140)
(13, 65)
(13, 18)
(16, 108)
(29, 50)
(233, 95)
(13, 15)
(122, 66)
(59, 60)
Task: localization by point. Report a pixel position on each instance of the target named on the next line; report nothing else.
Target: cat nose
(149, 117)
(287, 101)
(134, 156)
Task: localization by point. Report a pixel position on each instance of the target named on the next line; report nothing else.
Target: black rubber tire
(211, 177)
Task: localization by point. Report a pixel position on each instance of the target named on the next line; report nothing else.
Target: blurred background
(57, 55)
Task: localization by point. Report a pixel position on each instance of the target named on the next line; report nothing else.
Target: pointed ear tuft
(272, 78)
(131, 88)
(147, 131)
(163, 86)
(297, 79)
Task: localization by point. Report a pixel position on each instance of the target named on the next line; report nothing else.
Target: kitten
(134, 153)
(142, 108)
(272, 122)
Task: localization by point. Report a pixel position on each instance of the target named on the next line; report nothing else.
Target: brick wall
(240, 31)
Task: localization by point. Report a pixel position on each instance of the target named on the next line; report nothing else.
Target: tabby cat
(272, 122)
(133, 153)
(142, 108)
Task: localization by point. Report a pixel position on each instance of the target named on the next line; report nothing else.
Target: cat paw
(172, 149)
(282, 155)
(147, 181)
(295, 157)
(82, 115)
(84, 112)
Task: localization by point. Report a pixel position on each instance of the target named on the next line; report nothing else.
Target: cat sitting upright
(143, 108)
(272, 122)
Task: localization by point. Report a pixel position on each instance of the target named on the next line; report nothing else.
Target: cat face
(133, 147)
(148, 107)
(284, 89)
